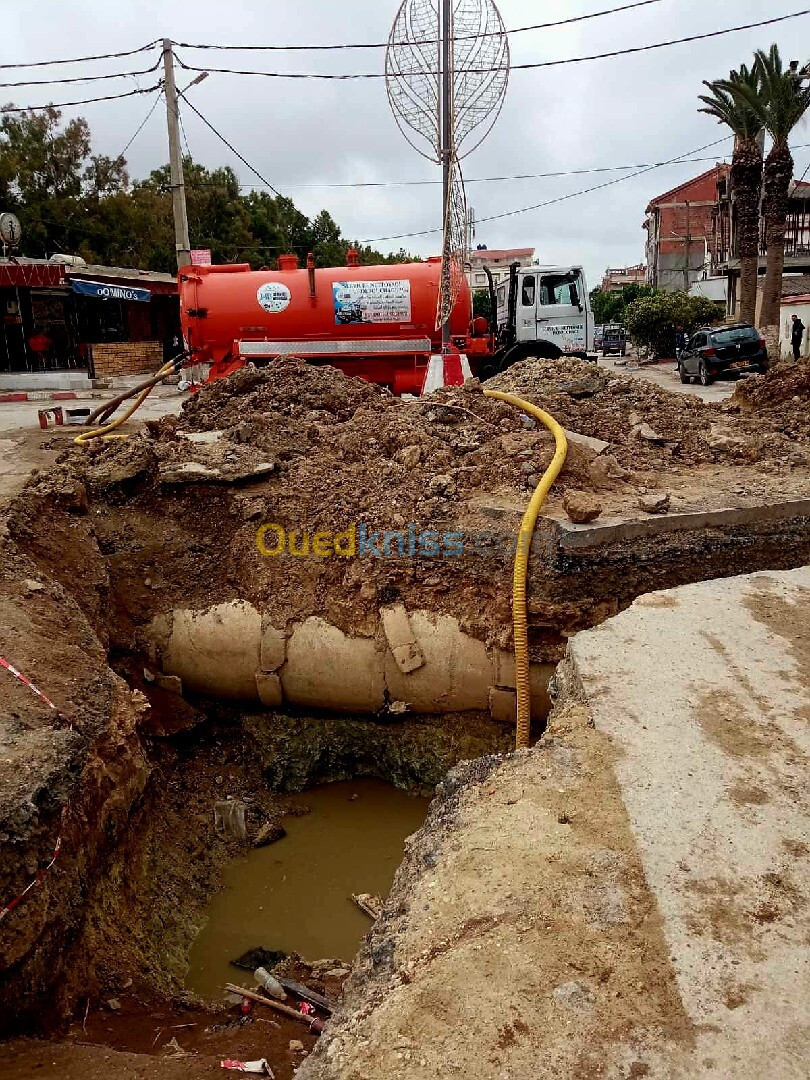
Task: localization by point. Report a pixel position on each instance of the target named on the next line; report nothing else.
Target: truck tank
(377, 322)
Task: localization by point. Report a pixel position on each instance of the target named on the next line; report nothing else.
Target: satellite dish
(10, 229)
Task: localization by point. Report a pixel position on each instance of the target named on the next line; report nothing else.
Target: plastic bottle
(271, 985)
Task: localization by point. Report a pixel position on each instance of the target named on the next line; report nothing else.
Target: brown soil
(781, 399)
(543, 909)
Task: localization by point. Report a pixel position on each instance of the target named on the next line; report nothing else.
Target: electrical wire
(230, 146)
(83, 101)
(82, 78)
(681, 158)
(493, 179)
(82, 59)
(384, 44)
(355, 76)
(143, 122)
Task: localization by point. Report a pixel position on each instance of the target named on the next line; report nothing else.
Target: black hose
(105, 411)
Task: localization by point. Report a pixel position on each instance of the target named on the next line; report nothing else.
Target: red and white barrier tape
(41, 875)
(26, 682)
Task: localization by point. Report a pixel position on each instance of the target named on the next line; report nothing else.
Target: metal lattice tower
(447, 69)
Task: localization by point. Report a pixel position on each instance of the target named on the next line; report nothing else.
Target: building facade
(105, 320)
(682, 227)
(797, 241)
(615, 278)
(498, 262)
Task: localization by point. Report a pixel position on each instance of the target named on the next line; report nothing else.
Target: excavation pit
(178, 653)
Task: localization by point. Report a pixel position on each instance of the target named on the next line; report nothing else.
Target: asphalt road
(665, 375)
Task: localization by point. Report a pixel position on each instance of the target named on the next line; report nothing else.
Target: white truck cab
(543, 311)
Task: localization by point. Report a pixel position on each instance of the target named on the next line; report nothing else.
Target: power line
(501, 179)
(143, 123)
(560, 198)
(384, 44)
(82, 78)
(230, 146)
(84, 101)
(355, 76)
(82, 59)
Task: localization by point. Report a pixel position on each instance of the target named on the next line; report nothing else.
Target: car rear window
(738, 333)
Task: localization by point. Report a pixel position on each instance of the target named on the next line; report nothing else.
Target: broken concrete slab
(704, 691)
(597, 445)
(570, 537)
(194, 472)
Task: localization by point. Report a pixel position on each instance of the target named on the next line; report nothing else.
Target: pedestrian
(796, 336)
(680, 342)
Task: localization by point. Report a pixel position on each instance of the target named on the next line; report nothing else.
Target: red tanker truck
(376, 322)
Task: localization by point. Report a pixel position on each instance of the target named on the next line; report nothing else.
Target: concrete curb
(569, 537)
(48, 395)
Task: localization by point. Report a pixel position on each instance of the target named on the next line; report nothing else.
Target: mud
(295, 895)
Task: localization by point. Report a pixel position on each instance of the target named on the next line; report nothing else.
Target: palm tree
(730, 108)
(779, 103)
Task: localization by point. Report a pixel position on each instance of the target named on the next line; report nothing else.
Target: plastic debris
(260, 1067)
(271, 985)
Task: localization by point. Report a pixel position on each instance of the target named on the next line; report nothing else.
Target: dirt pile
(644, 424)
(781, 398)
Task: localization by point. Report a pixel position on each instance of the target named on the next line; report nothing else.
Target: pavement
(663, 374)
(24, 445)
(704, 692)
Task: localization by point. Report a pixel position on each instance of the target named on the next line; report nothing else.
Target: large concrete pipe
(423, 660)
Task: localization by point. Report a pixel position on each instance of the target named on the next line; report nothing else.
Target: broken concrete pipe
(417, 659)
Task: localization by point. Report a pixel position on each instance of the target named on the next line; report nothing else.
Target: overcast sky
(620, 111)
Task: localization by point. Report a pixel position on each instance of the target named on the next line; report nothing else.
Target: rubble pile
(644, 423)
(781, 398)
(340, 447)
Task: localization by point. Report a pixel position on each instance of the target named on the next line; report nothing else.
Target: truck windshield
(558, 289)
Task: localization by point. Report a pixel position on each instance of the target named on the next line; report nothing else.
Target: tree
(482, 305)
(610, 307)
(47, 176)
(74, 201)
(652, 320)
(779, 102)
(728, 102)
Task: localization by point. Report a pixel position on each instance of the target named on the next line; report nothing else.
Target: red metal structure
(375, 322)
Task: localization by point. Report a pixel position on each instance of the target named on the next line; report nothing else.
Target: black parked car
(722, 350)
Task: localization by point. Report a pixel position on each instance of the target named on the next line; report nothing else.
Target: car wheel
(706, 378)
(682, 372)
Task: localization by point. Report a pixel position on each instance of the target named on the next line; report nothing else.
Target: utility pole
(181, 240)
(447, 149)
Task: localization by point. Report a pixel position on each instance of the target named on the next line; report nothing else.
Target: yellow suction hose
(104, 432)
(527, 527)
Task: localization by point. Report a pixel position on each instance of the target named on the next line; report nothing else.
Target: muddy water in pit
(295, 895)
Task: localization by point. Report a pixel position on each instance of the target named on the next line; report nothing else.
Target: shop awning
(31, 275)
(105, 291)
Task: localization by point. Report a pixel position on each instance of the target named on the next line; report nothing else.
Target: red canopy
(31, 275)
